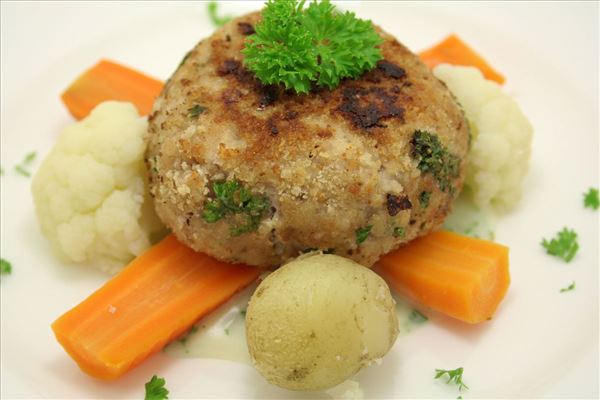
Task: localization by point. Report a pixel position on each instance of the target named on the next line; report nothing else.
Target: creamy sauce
(467, 219)
(221, 335)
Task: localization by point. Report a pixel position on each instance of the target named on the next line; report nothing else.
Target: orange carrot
(460, 276)
(154, 300)
(110, 81)
(453, 50)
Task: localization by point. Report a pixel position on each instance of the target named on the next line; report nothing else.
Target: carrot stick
(459, 276)
(154, 300)
(108, 80)
(453, 50)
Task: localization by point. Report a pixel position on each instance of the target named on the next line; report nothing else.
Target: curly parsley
(318, 45)
(231, 198)
(156, 390)
(435, 159)
(591, 200)
(564, 245)
(454, 375)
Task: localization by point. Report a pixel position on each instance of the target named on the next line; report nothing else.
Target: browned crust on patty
(328, 161)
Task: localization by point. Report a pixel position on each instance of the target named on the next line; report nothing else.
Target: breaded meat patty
(255, 174)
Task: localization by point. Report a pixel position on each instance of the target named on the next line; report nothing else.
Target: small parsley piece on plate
(590, 199)
(454, 375)
(417, 317)
(24, 167)
(213, 13)
(363, 233)
(564, 245)
(231, 198)
(156, 390)
(5, 267)
(424, 199)
(569, 288)
(319, 45)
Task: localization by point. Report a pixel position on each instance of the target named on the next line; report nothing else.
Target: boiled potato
(316, 321)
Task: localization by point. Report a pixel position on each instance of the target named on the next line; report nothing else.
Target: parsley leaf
(318, 45)
(24, 167)
(195, 111)
(569, 288)
(231, 198)
(213, 14)
(399, 232)
(564, 245)
(363, 233)
(454, 376)
(5, 267)
(156, 390)
(590, 199)
(435, 159)
(417, 317)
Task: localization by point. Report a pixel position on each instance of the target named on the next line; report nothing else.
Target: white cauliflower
(91, 191)
(501, 137)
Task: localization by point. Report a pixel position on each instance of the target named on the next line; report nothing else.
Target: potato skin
(318, 320)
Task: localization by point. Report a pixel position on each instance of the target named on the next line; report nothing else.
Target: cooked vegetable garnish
(417, 317)
(363, 233)
(399, 232)
(213, 13)
(156, 390)
(564, 245)
(568, 288)
(462, 277)
(453, 50)
(154, 300)
(454, 375)
(108, 80)
(5, 267)
(434, 158)
(590, 199)
(24, 167)
(231, 198)
(319, 45)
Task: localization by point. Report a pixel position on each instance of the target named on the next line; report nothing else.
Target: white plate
(541, 342)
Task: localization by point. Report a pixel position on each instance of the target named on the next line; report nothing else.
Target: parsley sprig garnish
(590, 199)
(231, 198)
(454, 375)
(564, 245)
(319, 45)
(156, 390)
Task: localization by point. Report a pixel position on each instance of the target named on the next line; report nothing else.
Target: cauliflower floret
(501, 137)
(91, 192)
